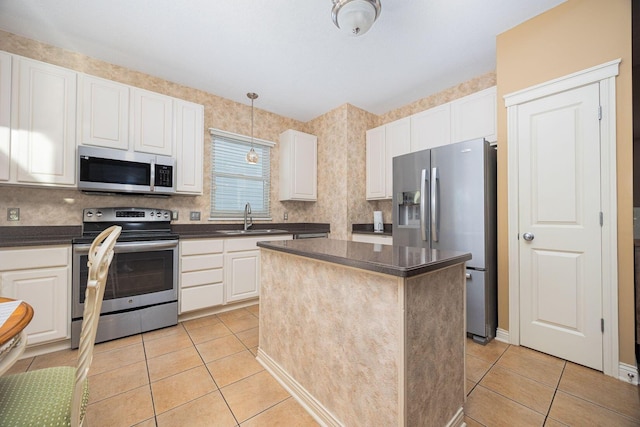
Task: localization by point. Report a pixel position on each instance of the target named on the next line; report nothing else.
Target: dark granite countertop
(64, 234)
(368, 229)
(401, 261)
(39, 235)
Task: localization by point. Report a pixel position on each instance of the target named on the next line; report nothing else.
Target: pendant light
(252, 156)
(355, 16)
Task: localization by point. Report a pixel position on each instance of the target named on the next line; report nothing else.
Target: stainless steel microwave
(117, 171)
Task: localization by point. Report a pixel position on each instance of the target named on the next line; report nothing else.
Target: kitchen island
(364, 334)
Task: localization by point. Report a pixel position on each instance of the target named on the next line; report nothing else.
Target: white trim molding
(628, 373)
(304, 398)
(238, 137)
(603, 74)
(502, 335)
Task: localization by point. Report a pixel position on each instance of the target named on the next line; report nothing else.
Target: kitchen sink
(254, 231)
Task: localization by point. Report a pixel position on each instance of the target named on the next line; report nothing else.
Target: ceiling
(288, 51)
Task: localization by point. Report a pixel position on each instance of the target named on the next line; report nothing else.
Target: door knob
(528, 236)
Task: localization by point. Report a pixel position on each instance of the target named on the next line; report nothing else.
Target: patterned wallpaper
(341, 178)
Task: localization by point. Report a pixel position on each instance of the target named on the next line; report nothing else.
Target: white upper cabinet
(189, 133)
(397, 143)
(5, 115)
(103, 113)
(298, 166)
(474, 116)
(431, 128)
(383, 144)
(151, 130)
(46, 111)
(43, 119)
(376, 163)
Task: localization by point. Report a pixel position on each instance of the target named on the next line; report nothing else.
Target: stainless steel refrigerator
(445, 198)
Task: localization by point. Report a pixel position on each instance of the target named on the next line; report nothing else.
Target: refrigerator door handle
(435, 220)
(424, 186)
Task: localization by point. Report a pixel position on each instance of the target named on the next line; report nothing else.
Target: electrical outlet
(286, 216)
(174, 215)
(13, 214)
(194, 216)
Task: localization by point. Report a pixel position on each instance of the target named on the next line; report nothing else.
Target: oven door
(141, 274)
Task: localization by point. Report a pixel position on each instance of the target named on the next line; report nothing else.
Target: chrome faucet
(247, 212)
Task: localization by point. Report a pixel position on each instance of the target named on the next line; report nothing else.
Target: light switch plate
(174, 215)
(13, 214)
(194, 216)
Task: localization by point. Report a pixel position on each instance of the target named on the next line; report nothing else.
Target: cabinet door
(474, 116)
(431, 128)
(152, 122)
(376, 164)
(46, 290)
(298, 166)
(104, 113)
(242, 275)
(189, 126)
(397, 143)
(5, 115)
(44, 147)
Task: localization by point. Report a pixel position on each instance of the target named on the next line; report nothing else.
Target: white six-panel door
(559, 196)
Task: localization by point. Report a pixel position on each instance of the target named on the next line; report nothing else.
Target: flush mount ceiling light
(252, 156)
(355, 16)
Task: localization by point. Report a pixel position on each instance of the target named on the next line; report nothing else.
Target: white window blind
(234, 182)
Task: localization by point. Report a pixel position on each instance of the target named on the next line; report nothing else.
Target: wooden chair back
(100, 256)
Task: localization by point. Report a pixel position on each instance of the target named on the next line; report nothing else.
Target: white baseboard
(216, 310)
(628, 373)
(308, 402)
(457, 420)
(502, 335)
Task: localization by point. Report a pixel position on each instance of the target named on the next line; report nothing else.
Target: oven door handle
(123, 247)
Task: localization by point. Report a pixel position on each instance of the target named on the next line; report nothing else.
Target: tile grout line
(146, 362)
(218, 389)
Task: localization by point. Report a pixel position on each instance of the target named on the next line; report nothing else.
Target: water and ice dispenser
(409, 209)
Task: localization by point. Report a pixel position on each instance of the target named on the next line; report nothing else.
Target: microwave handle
(153, 175)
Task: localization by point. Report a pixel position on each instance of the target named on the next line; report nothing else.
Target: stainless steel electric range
(141, 288)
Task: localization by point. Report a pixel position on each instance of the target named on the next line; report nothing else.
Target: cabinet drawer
(201, 297)
(203, 277)
(201, 262)
(22, 259)
(201, 246)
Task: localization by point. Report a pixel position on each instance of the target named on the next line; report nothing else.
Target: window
(234, 182)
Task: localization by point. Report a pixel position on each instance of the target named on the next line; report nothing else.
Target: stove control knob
(89, 214)
(166, 214)
(159, 214)
(151, 213)
(98, 214)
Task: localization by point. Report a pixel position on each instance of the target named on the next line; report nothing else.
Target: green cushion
(39, 398)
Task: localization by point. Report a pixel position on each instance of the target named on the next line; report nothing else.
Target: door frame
(605, 75)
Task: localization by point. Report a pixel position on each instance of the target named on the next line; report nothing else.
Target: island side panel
(435, 340)
(336, 331)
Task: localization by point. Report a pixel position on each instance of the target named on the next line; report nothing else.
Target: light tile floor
(203, 372)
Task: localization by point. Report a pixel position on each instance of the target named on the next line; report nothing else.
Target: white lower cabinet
(220, 271)
(40, 277)
(242, 275)
(372, 238)
(242, 266)
(201, 274)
